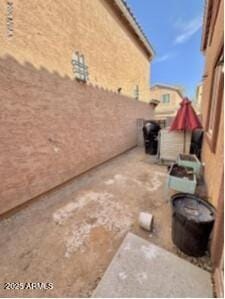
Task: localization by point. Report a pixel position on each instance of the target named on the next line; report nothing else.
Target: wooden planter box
(182, 184)
(190, 161)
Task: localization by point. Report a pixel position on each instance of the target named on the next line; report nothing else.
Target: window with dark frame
(213, 117)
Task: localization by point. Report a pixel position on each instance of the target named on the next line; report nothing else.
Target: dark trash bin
(196, 143)
(150, 132)
(192, 223)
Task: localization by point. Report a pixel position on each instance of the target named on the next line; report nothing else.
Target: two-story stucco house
(168, 97)
(104, 34)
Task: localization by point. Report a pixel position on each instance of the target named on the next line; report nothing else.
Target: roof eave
(206, 21)
(178, 90)
(121, 4)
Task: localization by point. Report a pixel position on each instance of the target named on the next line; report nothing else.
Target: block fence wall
(54, 128)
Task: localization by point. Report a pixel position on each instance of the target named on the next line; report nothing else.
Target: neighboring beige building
(54, 128)
(169, 98)
(198, 98)
(47, 33)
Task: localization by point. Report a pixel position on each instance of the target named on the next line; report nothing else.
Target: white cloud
(187, 29)
(163, 58)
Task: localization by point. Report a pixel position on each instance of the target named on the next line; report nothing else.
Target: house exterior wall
(165, 108)
(53, 128)
(213, 160)
(46, 33)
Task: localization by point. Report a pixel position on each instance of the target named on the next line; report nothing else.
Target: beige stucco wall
(198, 98)
(214, 162)
(165, 108)
(47, 32)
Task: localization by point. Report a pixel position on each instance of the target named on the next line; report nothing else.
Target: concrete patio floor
(69, 236)
(139, 269)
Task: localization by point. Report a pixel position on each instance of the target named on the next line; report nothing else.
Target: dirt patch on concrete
(69, 236)
(99, 209)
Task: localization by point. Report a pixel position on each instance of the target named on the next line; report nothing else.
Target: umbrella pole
(184, 148)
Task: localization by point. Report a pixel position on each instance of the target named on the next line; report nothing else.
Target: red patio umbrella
(186, 119)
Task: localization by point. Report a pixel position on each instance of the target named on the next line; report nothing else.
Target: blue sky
(174, 28)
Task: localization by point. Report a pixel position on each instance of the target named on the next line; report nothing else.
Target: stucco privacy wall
(54, 128)
(47, 32)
